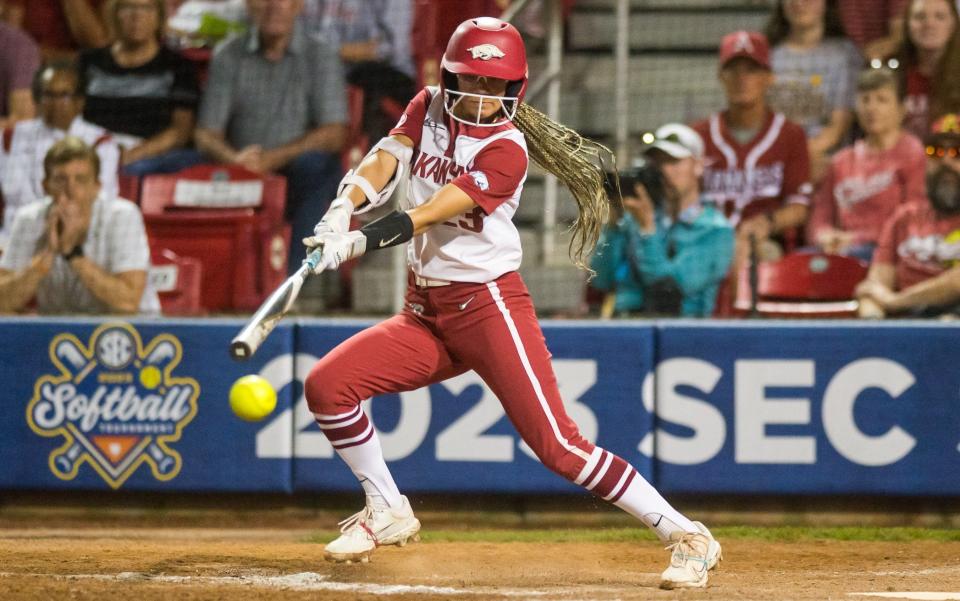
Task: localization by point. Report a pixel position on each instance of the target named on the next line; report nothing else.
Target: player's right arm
(448, 202)
(378, 172)
(377, 168)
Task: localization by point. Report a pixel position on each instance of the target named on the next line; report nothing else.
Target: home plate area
(78, 562)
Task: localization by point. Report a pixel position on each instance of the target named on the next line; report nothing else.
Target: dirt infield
(55, 561)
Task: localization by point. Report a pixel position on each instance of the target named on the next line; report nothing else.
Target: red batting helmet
(486, 47)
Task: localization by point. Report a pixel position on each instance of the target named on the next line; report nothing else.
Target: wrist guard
(390, 230)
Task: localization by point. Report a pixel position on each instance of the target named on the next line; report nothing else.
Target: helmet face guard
(484, 47)
(506, 112)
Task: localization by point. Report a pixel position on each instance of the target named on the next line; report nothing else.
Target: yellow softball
(150, 377)
(252, 398)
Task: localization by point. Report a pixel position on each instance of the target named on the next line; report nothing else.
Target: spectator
(875, 26)
(59, 92)
(815, 69)
(78, 250)
(275, 101)
(19, 60)
(914, 270)
(60, 27)
(757, 167)
(670, 259)
(374, 40)
(928, 60)
(145, 94)
(867, 182)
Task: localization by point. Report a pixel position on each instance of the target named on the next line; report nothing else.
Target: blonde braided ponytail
(578, 162)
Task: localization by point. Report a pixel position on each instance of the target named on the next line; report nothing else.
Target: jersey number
(471, 220)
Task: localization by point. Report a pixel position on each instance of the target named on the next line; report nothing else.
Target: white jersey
(490, 165)
(21, 162)
(116, 241)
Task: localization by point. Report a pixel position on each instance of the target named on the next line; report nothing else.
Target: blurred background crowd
(792, 158)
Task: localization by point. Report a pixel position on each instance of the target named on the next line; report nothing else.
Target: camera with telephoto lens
(644, 172)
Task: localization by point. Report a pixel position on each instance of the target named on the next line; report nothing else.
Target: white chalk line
(919, 596)
(311, 581)
(923, 572)
(304, 581)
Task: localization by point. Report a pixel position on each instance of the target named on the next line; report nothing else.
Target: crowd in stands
(839, 135)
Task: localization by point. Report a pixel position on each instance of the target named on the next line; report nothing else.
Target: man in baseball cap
(916, 267)
(757, 169)
(669, 251)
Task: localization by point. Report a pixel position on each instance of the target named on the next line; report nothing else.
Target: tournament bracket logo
(115, 402)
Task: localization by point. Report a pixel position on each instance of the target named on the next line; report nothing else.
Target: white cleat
(714, 552)
(693, 555)
(364, 531)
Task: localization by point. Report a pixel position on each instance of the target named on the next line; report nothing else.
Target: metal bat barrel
(246, 343)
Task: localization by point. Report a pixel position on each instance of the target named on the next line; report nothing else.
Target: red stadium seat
(229, 219)
(804, 285)
(177, 281)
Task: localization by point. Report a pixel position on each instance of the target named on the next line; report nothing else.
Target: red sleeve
(796, 168)
(886, 251)
(495, 174)
(411, 122)
(823, 206)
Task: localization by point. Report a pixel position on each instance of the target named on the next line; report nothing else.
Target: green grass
(619, 535)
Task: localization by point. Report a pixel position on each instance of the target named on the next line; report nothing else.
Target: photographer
(668, 251)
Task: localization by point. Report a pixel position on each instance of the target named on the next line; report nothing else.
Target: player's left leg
(398, 354)
(521, 375)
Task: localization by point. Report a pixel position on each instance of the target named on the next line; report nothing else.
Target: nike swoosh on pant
(464, 304)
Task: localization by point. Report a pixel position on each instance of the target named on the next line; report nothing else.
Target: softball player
(464, 148)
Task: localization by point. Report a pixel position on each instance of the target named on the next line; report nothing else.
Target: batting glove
(335, 221)
(337, 249)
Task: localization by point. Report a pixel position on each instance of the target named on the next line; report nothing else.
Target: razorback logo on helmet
(116, 402)
(485, 52)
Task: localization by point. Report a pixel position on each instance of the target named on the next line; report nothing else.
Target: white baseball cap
(678, 141)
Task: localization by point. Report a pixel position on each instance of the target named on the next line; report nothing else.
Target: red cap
(750, 44)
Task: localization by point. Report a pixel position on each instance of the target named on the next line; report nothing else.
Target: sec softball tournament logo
(115, 402)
